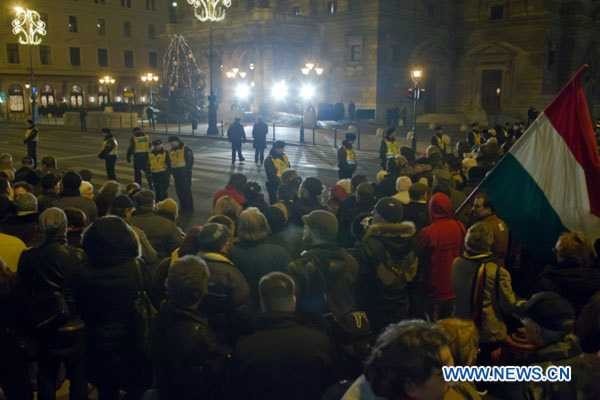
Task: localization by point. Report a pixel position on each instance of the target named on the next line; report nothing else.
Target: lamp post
(107, 81)
(30, 29)
(149, 79)
(307, 91)
(416, 76)
(210, 11)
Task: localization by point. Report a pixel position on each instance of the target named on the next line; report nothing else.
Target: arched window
(103, 95)
(47, 96)
(76, 96)
(16, 99)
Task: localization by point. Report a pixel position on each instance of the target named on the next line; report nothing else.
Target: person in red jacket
(234, 189)
(439, 244)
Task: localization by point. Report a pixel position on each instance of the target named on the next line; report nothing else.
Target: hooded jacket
(388, 263)
(439, 244)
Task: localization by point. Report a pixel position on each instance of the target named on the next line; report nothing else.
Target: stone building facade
(86, 39)
(482, 59)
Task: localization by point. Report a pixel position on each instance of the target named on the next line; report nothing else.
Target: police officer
(182, 161)
(110, 147)
(347, 157)
(139, 147)
(31, 141)
(275, 165)
(389, 148)
(159, 167)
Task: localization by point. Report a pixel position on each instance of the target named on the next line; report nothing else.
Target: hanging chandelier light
(210, 10)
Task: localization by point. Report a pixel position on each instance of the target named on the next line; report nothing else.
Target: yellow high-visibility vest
(113, 152)
(177, 158)
(142, 144)
(281, 164)
(392, 148)
(158, 162)
(350, 157)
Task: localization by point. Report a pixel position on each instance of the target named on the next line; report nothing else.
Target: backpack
(392, 274)
(144, 314)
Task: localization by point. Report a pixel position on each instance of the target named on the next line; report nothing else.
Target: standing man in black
(139, 147)
(237, 136)
(182, 162)
(31, 140)
(82, 120)
(108, 153)
(150, 115)
(259, 135)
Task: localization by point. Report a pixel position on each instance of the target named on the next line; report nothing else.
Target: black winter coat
(105, 296)
(259, 134)
(255, 260)
(282, 360)
(187, 358)
(236, 133)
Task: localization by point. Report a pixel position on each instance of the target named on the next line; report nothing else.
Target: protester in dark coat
(417, 210)
(259, 136)
(288, 236)
(186, 355)
(44, 271)
(388, 264)
(71, 197)
(14, 363)
(27, 172)
(106, 195)
(309, 200)
(361, 202)
(282, 359)
(105, 296)
(163, 234)
(573, 276)
(252, 254)
(255, 196)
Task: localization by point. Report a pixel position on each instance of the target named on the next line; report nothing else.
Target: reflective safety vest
(477, 138)
(177, 158)
(350, 157)
(392, 148)
(158, 162)
(281, 164)
(142, 144)
(113, 152)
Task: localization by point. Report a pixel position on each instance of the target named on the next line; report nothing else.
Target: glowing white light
(174, 4)
(279, 92)
(310, 65)
(230, 74)
(319, 70)
(305, 71)
(118, 99)
(307, 92)
(27, 86)
(28, 26)
(242, 91)
(92, 99)
(210, 10)
(251, 66)
(243, 74)
(143, 99)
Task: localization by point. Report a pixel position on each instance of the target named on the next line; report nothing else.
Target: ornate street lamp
(30, 29)
(149, 79)
(210, 11)
(416, 75)
(107, 81)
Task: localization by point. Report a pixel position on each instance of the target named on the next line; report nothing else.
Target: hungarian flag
(549, 182)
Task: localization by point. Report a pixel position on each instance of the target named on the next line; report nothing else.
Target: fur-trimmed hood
(398, 240)
(404, 229)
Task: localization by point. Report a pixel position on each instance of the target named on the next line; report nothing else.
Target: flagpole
(475, 191)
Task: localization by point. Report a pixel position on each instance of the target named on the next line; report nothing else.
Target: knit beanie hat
(313, 186)
(86, 189)
(169, 207)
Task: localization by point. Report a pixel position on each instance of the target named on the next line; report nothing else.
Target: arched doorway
(16, 98)
(103, 97)
(76, 96)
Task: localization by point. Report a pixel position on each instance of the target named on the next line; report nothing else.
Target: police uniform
(389, 150)
(159, 167)
(275, 166)
(110, 148)
(346, 162)
(31, 140)
(182, 160)
(139, 147)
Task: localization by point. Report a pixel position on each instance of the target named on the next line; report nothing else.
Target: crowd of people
(361, 293)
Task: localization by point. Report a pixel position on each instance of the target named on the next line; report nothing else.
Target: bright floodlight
(242, 91)
(279, 92)
(307, 91)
